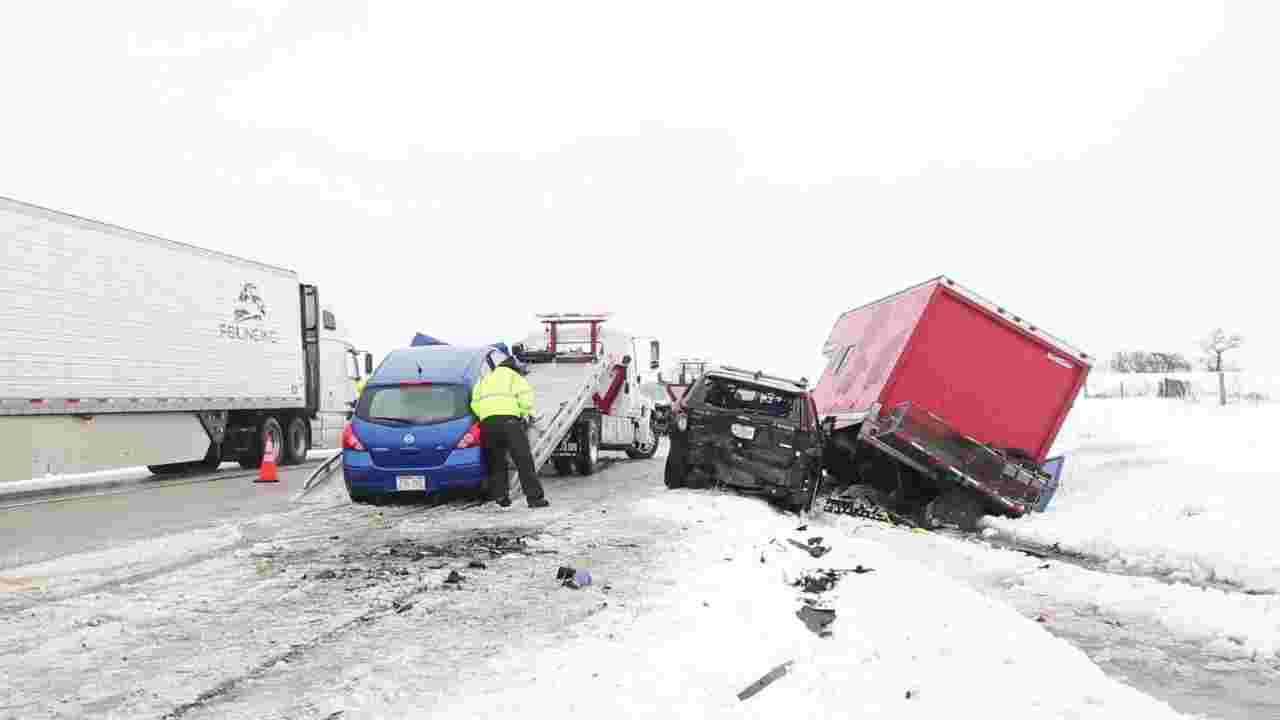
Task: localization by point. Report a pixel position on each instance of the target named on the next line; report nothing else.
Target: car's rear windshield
(414, 404)
(746, 397)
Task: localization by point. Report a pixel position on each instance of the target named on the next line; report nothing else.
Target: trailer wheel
(959, 507)
(564, 465)
(270, 428)
(297, 441)
(589, 455)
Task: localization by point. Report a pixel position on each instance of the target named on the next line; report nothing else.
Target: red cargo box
(987, 373)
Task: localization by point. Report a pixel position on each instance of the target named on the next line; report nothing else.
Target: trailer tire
(960, 507)
(269, 427)
(297, 440)
(564, 465)
(589, 456)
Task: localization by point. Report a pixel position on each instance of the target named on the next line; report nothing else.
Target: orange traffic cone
(267, 472)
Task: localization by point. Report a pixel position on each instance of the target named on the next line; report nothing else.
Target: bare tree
(1214, 346)
(1218, 343)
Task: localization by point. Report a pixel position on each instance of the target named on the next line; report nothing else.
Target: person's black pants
(505, 434)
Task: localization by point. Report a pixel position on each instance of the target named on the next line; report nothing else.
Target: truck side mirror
(368, 364)
(654, 359)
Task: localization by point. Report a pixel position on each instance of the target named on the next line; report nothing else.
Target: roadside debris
(767, 680)
(571, 578)
(477, 565)
(400, 607)
(867, 503)
(454, 578)
(814, 548)
(817, 619)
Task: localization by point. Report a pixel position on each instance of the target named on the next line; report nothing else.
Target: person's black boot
(539, 503)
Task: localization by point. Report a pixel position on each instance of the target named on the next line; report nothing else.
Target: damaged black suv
(749, 431)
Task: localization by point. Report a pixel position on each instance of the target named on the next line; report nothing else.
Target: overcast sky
(726, 176)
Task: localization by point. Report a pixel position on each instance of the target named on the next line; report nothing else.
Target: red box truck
(959, 395)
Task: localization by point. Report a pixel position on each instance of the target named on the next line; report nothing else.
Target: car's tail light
(471, 439)
(682, 421)
(349, 439)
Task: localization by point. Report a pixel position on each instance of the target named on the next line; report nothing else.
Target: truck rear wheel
(589, 454)
(297, 441)
(269, 428)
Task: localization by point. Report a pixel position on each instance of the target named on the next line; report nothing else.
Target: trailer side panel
(98, 319)
(864, 348)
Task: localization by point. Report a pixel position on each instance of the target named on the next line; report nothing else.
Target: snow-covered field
(1182, 491)
(1204, 386)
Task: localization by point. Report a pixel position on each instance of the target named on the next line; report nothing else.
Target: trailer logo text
(250, 312)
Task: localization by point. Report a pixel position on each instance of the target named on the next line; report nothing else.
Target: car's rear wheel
(564, 465)
(677, 468)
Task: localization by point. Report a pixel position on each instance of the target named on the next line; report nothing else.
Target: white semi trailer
(120, 349)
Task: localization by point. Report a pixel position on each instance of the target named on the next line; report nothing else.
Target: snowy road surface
(34, 531)
(309, 609)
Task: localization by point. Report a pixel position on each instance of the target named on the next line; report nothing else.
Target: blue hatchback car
(413, 430)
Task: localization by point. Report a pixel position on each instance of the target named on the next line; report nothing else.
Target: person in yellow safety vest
(503, 401)
(360, 387)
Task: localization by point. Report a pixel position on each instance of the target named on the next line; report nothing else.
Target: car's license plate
(746, 432)
(411, 482)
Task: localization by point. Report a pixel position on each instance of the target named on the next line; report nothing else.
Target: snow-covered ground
(333, 608)
(905, 642)
(1183, 491)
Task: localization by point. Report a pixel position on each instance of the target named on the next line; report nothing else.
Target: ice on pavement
(1180, 489)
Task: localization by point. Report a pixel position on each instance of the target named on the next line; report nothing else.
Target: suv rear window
(745, 397)
(414, 404)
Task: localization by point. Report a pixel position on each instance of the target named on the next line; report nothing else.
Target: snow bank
(1230, 625)
(1166, 487)
(905, 642)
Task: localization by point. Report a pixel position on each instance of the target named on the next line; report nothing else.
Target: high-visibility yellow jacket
(360, 387)
(502, 392)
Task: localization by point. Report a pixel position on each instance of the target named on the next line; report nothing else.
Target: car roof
(758, 378)
(431, 363)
